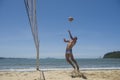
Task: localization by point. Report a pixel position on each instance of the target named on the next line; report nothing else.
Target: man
(69, 56)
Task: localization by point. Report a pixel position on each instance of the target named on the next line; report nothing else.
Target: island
(2, 58)
(114, 54)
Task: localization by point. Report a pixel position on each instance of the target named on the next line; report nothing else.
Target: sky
(96, 24)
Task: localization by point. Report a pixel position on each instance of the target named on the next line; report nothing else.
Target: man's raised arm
(70, 34)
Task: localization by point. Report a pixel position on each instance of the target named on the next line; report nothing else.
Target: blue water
(48, 63)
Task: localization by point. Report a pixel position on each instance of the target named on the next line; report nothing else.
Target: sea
(27, 64)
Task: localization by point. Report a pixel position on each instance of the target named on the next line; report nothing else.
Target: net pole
(31, 12)
(37, 45)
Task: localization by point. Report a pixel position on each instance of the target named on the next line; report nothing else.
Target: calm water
(12, 64)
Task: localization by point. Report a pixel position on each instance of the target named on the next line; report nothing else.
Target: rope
(42, 76)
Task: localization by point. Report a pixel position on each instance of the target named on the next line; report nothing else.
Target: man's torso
(70, 44)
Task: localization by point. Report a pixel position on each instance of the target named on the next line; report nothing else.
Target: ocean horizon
(29, 64)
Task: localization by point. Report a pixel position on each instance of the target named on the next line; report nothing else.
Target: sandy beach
(60, 75)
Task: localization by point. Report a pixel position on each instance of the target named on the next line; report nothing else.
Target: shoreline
(55, 69)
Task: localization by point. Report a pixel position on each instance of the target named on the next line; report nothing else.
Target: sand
(60, 75)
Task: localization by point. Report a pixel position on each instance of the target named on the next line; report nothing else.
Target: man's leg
(72, 58)
(69, 61)
(82, 75)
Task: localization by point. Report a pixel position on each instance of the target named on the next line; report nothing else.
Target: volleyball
(70, 19)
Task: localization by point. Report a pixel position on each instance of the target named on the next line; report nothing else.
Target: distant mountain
(114, 54)
(2, 58)
(12, 58)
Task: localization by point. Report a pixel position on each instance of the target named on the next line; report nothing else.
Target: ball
(70, 19)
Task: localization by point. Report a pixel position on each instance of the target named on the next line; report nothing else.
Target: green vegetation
(114, 54)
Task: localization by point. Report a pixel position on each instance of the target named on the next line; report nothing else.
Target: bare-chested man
(69, 56)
